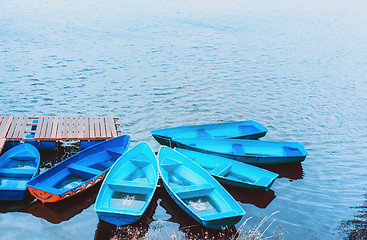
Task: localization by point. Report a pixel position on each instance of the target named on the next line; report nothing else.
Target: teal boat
(232, 172)
(242, 129)
(18, 165)
(129, 186)
(247, 151)
(197, 192)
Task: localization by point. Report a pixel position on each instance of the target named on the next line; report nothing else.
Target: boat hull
(79, 172)
(48, 196)
(18, 165)
(231, 172)
(129, 187)
(118, 219)
(214, 146)
(197, 192)
(230, 130)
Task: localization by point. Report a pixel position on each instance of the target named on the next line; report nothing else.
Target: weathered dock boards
(51, 128)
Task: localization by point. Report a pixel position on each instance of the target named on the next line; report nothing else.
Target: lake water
(297, 67)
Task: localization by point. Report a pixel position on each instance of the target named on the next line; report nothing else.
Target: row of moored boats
(191, 166)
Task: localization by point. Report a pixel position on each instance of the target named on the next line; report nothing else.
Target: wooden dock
(51, 128)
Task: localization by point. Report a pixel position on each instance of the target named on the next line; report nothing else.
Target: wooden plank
(87, 127)
(66, 128)
(78, 127)
(70, 128)
(81, 128)
(49, 128)
(6, 122)
(19, 131)
(12, 127)
(97, 128)
(2, 143)
(44, 128)
(38, 129)
(91, 128)
(75, 128)
(108, 127)
(54, 128)
(102, 127)
(60, 127)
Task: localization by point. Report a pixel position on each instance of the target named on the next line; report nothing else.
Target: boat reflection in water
(188, 226)
(356, 228)
(64, 210)
(293, 171)
(136, 230)
(260, 199)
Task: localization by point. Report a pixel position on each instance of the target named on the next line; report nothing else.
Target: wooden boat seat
(264, 181)
(119, 185)
(222, 170)
(238, 149)
(83, 171)
(17, 172)
(193, 191)
(23, 158)
(220, 215)
(203, 133)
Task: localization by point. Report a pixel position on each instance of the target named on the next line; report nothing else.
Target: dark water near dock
(297, 67)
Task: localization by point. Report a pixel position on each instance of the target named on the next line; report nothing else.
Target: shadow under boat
(293, 171)
(137, 230)
(260, 199)
(187, 225)
(66, 209)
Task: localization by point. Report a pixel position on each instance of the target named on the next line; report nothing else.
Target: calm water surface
(297, 67)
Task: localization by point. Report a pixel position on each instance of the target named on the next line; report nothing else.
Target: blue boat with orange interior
(17, 166)
(247, 151)
(78, 172)
(241, 129)
(129, 186)
(197, 192)
(232, 172)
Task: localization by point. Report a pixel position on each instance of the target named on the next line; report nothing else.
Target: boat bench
(119, 185)
(193, 191)
(170, 164)
(117, 211)
(247, 129)
(22, 158)
(202, 133)
(237, 149)
(83, 171)
(222, 170)
(264, 181)
(17, 172)
(220, 215)
(290, 151)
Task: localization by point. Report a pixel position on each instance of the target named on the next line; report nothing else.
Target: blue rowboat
(78, 172)
(243, 129)
(232, 172)
(17, 166)
(247, 151)
(129, 186)
(197, 192)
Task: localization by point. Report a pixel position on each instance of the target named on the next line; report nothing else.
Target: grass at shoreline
(158, 231)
